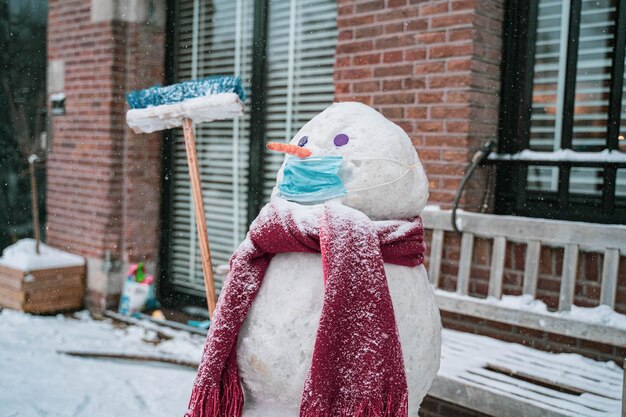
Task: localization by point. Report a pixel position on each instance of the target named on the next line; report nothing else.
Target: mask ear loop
(408, 169)
(386, 159)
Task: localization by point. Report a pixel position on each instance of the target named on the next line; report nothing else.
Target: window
(217, 37)
(302, 36)
(562, 148)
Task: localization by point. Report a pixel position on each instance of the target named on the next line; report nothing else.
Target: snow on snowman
(327, 309)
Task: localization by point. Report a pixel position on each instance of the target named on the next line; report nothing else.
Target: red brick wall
(433, 68)
(103, 182)
(84, 168)
(143, 153)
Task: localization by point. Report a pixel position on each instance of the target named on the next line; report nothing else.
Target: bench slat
(531, 267)
(548, 322)
(477, 398)
(465, 263)
(434, 262)
(606, 375)
(624, 392)
(589, 236)
(568, 278)
(497, 267)
(544, 397)
(565, 379)
(609, 277)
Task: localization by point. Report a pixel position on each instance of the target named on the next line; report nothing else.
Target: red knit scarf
(357, 367)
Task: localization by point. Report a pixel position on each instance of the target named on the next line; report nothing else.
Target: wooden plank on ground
(610, 268)
(531, 267)
(151, 323)
(434, 261)
(568, 278)
(130, 357)
(497, 267)
(465, 263)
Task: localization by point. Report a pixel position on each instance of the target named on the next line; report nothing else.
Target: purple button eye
(303, 141)
(341, 139)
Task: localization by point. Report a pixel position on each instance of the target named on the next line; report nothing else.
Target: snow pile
(37, 381)
(602, 315)
(221, 106)
(22, 256)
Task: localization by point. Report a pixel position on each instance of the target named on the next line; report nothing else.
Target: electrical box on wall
(57, 104)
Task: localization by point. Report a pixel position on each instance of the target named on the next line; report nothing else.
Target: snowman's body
(276, 342)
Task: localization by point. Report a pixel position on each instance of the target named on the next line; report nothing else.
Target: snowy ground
(36, 381)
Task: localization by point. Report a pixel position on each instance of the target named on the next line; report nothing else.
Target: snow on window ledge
(566, 155)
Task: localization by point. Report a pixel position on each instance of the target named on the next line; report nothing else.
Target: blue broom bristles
(176, 93)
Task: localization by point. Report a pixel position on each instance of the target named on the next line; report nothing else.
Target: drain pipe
(477, 160)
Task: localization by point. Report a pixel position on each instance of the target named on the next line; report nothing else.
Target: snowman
(354, 163)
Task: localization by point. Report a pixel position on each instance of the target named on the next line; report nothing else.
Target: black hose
(477, 160)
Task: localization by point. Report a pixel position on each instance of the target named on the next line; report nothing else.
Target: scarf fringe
(207, 401)
(366, 408)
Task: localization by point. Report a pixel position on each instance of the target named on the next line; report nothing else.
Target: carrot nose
(289, 149)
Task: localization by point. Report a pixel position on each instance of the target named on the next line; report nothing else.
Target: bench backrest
(534, 233)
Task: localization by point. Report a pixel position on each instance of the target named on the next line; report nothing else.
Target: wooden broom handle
(198, 204)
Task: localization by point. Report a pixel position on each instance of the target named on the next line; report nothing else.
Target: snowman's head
(379, 167)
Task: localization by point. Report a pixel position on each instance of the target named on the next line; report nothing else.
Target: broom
(185, 104)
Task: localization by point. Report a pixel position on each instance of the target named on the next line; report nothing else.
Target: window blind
(301, 44)
(548, 89)
(593, 85)
(216, 38)
(591, 90)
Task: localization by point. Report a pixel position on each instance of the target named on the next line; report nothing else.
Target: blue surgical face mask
(316, 179)
(312, 180)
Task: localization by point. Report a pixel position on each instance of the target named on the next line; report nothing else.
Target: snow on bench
(506, 379)
(501, 378)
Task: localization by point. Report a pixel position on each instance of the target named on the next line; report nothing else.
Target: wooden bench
(506, 379)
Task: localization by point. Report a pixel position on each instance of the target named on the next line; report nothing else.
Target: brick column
(433, 68)
(103, 181)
